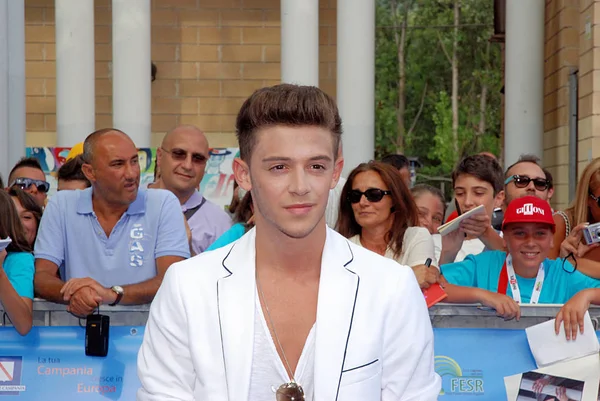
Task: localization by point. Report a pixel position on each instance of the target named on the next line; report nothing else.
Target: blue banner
(474, 362)
(51, 360)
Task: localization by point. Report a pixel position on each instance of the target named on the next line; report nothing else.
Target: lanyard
(507, 275)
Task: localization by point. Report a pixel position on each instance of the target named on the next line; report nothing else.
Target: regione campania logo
(10, 375)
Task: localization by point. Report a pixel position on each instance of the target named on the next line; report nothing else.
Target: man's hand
(572, 314)
(561, 393)
(83, 302)
(504, 305)
(451, 244)
(476, 225)
(539, 384)
(575, 244)
(75, 284)
(426, 275)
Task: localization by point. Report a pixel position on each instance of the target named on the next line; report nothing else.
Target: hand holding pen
(425, 276)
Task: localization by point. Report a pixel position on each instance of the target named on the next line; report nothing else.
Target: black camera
(96, 335)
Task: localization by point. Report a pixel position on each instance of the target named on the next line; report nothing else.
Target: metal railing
(442, 315)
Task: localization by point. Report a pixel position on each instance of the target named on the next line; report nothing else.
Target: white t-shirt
(268, 370)
(417, 246)
(469, 247)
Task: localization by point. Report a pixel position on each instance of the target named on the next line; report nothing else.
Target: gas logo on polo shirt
(136, 250)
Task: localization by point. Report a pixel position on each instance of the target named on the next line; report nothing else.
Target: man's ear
(159, 153)
(337, 171)
(88, 171)
(241, 172)
(499, 199)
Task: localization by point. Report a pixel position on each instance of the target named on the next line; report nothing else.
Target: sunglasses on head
(25, 183)
(372, 195)
(181, 155)
(522, 181)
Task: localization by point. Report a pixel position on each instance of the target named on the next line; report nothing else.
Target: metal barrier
(476, 316)
(442, 315)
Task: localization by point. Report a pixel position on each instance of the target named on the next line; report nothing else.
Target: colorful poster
(51, 360)
(216, 186)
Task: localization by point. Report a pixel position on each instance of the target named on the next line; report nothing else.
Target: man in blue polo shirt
(112, 243)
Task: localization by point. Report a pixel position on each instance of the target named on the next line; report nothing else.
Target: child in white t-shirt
(477, 180)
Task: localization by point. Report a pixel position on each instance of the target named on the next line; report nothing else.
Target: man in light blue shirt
(111, 242)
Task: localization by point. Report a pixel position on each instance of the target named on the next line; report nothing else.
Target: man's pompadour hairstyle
(287, 105)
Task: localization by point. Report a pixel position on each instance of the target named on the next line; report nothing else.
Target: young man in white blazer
(292, 310)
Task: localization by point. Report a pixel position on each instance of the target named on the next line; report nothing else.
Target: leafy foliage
(428, 69)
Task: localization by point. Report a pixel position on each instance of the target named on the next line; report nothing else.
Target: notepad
(454, 224)
(4, 243)
(434, 294)
(547, 347)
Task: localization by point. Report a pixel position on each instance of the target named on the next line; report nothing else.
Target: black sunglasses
(180, 155)
(522, 181)
(372, 195)
(25, 183)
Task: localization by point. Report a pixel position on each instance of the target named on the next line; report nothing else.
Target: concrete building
(566, 126)
(84, 58)
(571, 91)
(211, 54)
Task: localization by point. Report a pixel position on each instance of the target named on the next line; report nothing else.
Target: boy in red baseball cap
(524, 274)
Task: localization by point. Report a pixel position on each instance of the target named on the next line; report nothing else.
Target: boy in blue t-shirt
(525, 275)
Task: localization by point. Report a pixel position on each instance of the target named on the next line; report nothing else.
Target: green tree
(424, 125)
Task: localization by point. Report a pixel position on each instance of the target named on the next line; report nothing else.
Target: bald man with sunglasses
(182, 159)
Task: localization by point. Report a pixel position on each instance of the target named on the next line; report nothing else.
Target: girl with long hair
(29, 211)
(585, 208)
(16, 268)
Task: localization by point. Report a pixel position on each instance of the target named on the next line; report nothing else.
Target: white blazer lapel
(338, 290)
(236, 295)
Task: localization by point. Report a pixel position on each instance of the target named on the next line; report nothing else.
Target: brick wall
(589, 83)
(562, 55)
(210, 55)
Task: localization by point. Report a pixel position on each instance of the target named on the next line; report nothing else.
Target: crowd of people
(270, 266)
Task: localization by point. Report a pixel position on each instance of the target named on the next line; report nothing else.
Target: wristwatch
(119, 291)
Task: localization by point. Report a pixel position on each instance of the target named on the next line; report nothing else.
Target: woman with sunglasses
(29, 211)
(584, 209)
(16, 268)
(377, 212)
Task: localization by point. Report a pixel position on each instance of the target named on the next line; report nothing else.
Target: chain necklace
(292, 391)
